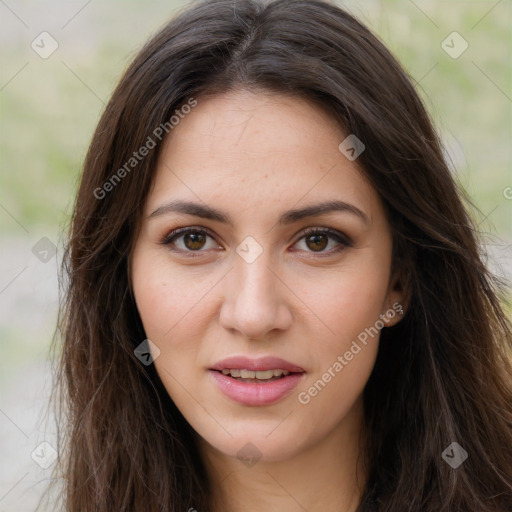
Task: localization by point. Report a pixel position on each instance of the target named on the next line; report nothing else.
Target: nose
(255, 300)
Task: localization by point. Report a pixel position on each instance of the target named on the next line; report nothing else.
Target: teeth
(264, 375)
(250, 374)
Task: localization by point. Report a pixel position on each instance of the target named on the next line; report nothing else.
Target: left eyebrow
(320, 209)
(288, 217)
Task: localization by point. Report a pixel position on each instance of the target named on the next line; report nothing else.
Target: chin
(251, 445)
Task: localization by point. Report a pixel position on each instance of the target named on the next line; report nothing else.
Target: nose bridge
(254, 300)
(255, 279)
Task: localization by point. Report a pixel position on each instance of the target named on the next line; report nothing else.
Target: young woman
(275, 296)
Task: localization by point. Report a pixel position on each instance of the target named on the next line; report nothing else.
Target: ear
(397, 300)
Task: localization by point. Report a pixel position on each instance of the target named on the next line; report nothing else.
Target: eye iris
(197, 240)
(320, 241)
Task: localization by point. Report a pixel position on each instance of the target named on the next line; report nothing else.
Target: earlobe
(393, 314)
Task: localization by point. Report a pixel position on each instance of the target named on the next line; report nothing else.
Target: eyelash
(342, 239)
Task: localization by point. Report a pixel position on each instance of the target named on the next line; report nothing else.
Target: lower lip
(256, 393)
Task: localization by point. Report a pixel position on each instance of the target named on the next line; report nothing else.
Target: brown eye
(194, 240)
(317, 242)
(323, 241)
(188, 240)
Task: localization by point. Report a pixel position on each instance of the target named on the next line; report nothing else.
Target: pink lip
(262, 364)
(256, 393)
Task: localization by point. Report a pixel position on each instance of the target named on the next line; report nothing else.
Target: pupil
(319, 244)
(196, 240)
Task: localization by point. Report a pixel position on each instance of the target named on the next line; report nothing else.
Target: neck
(327, 476)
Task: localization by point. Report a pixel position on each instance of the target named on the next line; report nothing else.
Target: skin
(255, 156)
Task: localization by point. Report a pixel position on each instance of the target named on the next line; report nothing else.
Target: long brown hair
(442, 374)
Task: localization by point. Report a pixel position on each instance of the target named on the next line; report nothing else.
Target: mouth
(256, 382)
(261, 376)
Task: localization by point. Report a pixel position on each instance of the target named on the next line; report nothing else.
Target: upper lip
(260, 364)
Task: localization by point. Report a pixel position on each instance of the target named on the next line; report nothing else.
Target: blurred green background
(49, 108)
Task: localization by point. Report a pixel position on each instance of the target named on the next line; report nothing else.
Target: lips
(254, 391)
(262, 364)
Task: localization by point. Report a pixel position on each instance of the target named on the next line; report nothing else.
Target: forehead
(244, 149)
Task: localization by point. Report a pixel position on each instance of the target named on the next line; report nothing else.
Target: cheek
(343, 361)
(175, 306)
(347, 300)
(173, 318)
(349, 304)
(167, 301)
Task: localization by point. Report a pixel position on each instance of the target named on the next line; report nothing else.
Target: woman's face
(247, 175)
